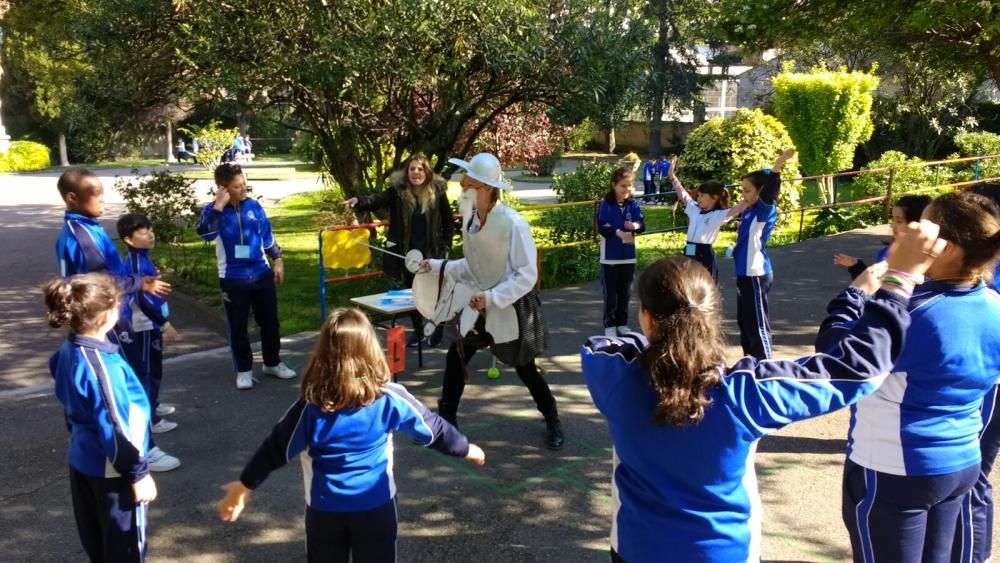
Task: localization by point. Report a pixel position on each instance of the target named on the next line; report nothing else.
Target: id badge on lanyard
(689, 250)
(242, 252)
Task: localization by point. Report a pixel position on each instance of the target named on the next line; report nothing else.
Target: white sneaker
(164, 410)
(244, 379)
(610, 331)
(281, 371)
(623, 330)
(159, 461)
(162, 426)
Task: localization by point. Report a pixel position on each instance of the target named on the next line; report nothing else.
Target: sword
(380, 249)
(412, 262)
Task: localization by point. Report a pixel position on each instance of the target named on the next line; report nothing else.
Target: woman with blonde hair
(420, 218)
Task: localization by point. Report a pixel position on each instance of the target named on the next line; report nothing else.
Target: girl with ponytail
(685, 426)
(108, 417)
(916, 442)
(707, 212)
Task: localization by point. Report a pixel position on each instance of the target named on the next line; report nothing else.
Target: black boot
(435, 339)
(448, 412)
(553, 429)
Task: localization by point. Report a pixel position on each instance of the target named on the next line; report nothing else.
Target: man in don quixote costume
(491, 292)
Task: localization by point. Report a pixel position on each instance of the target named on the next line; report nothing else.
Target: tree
(36, 43)
(827, 115)
(958, 34)
(373, 82)
(673, 82)
(726, 149)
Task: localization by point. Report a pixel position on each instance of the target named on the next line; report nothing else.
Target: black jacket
(439, 220)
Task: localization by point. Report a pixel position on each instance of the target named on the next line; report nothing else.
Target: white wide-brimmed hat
(485, 168)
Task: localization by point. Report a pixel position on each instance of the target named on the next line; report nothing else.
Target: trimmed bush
(908, 176)
(590, 182)
(25, 156)
(726, 149)
(980, 143)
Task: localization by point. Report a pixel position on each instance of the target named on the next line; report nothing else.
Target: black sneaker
(435, 339)
(413, 340)
(555, 438)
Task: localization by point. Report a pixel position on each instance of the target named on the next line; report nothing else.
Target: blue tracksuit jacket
(926, 419)
(247, 226)
(347, 456)
(83, 247)
(756, 224)
(611, 217)
(689, 494)
(148, 310)
(106, 409)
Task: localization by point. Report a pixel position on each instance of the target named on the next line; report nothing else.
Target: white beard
(466, 204)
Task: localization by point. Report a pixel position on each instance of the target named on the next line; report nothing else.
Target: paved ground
(526, 504)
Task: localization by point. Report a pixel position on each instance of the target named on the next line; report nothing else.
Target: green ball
(493, 373)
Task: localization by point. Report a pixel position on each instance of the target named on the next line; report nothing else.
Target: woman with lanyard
(244, 242)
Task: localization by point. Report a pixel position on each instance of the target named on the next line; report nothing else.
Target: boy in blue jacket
(150, 323)
(83, 247)
(619, 220)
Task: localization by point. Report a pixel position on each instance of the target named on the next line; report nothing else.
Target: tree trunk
(611, 139)
(63, 153)
(170, 143)
(657, 86)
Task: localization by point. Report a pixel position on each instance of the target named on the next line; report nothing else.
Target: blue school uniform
(347, 460)
(108, 417)
(243, 241)
(617, 258)
(917, 439)
(83, 247)
(243, 238)
(703, 505)
(753, 269)
(144, 347)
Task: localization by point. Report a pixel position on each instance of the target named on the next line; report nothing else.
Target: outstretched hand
(673, 167)
(476, 454)
(234, 502)
(844, 260)
(155, 286)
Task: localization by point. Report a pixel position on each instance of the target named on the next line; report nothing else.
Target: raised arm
(682, 194)
(772, 185)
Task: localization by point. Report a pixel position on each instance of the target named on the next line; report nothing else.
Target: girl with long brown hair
(685, 426)
(341, 428)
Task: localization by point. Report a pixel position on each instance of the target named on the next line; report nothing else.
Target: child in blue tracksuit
(341, 430)
(150, 323)
(706, 215)
(753, 266)
(243, 243)
(981, 496)
(685, 427)
(619, 220)
(84, 247)
(914, 446)
(108, 416)
(662, 177)
(908, 209)
(649, 171)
